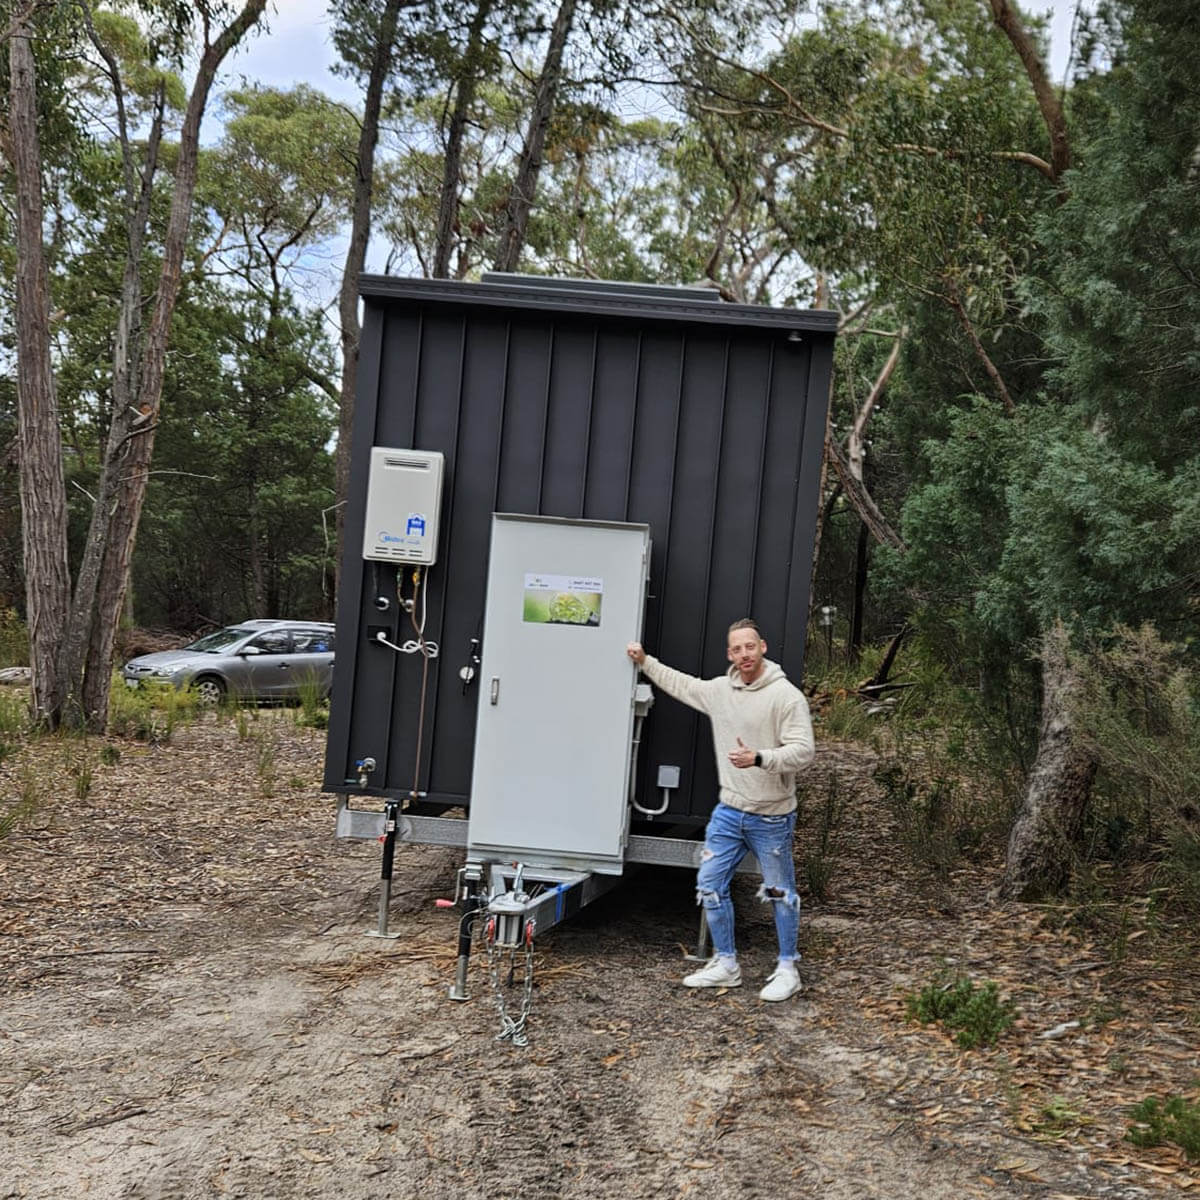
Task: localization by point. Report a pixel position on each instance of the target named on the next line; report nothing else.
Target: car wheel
(208, 690)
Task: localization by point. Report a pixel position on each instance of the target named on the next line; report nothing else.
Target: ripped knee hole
(778, 895)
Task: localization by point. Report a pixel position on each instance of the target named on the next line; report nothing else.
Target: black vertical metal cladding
(607, 401)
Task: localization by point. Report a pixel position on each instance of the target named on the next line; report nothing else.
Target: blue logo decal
(416, 524)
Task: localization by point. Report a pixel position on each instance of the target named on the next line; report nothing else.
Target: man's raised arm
(686, 688)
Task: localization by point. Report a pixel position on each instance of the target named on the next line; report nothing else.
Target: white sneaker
(783, 983)
(714, 974)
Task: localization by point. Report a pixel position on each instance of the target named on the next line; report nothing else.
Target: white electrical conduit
(646, 812)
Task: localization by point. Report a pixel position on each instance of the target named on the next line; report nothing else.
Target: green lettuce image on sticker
(567, 609)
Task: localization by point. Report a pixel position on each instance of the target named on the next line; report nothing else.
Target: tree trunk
(120, 532)
(125, 418)
(464, 98)
(861, 561)
(43, 492)
(1044, 835)
(356, 256)
(524, 188)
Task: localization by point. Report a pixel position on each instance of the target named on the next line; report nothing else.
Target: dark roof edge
(588, 298)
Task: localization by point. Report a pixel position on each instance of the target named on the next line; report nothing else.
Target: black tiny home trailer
(648, 458)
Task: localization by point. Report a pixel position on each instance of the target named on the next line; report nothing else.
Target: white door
(553, 738)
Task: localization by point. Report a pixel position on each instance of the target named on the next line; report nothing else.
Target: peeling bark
(43, 492)
(1043, 837)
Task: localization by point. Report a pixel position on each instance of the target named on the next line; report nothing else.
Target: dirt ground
(190, 1008)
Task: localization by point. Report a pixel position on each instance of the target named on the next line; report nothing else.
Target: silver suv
(256, 660)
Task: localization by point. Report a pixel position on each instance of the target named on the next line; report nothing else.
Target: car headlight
(165, 672)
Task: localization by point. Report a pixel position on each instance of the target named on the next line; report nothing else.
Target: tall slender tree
(43, 492)
(82, 643)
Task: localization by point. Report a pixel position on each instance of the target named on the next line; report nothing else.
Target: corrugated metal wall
(703, 420)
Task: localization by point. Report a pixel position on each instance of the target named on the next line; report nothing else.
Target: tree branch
(855, 443)
(1051, 170)
(955, 301)
(1048, 100)
(860, 498)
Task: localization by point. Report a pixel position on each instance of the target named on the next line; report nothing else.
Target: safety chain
(511, 1028)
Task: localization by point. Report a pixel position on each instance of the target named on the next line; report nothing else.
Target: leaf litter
(190, 1008)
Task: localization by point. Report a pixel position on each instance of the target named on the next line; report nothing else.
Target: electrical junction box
(404, 498)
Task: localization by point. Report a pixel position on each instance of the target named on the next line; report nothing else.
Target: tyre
(208, 690)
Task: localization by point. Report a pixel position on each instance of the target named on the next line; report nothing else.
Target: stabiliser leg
(466, 931)
(701, 954)
(391, 816)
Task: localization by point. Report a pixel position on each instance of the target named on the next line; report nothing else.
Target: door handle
(495, 689)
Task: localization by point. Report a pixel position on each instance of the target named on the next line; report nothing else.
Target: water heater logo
(416, 524)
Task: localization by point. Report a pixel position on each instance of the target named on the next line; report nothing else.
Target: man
(762, 735)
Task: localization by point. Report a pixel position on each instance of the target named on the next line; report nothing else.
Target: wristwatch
(757, 759)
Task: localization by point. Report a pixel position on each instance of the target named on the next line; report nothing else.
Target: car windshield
(221, 640)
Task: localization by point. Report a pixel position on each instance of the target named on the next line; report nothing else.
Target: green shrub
(20, 809)
(977, 1016)
(314, 706)
(83, 781)
(266, 763)
(844, 719)
(150, 712)
(14, 712)
(931, 829)
(1173, 1120)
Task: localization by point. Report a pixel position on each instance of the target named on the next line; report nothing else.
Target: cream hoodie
(770, 715)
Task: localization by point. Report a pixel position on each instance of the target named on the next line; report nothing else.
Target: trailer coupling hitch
(505, 935)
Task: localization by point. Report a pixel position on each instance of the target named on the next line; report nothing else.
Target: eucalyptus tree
(113, 54)
(42, 491)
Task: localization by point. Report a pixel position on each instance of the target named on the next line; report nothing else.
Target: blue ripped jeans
(730, 834)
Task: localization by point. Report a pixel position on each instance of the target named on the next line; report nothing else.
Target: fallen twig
(90, 953)
(111, 1119)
